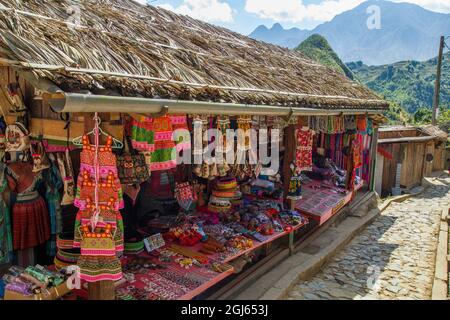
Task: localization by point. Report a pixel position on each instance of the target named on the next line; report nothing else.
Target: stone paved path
(393, 258)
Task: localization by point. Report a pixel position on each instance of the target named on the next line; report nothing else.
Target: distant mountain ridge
(408, 32)
(408, 83)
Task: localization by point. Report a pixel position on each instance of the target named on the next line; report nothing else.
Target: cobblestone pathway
(393, 258)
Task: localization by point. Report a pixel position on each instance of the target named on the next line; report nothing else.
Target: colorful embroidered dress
(160, 139)
(181, 134)
(31, 221)
(100, 248)
(142, 135)
(110, 187)
(164, 156)
(303, 157)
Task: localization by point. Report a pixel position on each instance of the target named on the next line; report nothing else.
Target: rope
(96, 214)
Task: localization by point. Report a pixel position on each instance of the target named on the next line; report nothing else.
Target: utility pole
(437, 85)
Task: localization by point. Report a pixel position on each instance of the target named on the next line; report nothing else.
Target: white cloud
(141, 1)
(434, 5)
(206, 10)
(296, 11)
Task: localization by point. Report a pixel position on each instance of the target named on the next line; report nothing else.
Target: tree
(423, 116)
(443, 120)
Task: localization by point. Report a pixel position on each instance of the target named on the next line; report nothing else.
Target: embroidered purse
(132, 167)
(184, 193)
(40, 160)
(98, 243)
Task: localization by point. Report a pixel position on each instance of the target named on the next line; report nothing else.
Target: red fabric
(303, 157)
(21, 177)
(31, 224)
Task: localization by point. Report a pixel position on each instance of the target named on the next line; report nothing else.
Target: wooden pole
(373, 165)
(101, 290)
(289, 155)
(437, 84)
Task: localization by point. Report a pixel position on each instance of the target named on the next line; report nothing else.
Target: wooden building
(406, 154)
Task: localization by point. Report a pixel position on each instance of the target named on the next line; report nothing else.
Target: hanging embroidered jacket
(110, 188)
(102, 247)
(164, 156)
(142, 134)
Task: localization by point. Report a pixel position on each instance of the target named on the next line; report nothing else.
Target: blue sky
(245, 15)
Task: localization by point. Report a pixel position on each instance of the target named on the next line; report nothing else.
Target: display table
(172, 282)
(320, 202)
(151, 282)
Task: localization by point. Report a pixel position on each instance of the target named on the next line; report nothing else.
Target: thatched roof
(134, 50)
(399, 134)
(434, 131)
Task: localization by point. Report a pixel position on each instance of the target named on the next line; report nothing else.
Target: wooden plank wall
(389, 167)
(440, 159)
(413, 164)
(411, 156)
(397, 134)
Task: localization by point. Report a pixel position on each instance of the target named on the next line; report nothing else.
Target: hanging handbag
(185, 195)
(98, 243)
(40, 160)
(131, 165)
(66, 171)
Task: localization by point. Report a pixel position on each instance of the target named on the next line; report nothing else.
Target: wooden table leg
(102, 290)
(291, 243)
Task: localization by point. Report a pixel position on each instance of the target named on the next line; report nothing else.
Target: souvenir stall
(125, 211)
(95, 120)
(332, 161)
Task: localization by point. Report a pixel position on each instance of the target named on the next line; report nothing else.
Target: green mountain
(318, 49)
(408, 83)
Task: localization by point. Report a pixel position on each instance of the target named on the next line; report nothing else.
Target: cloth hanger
(116, 144)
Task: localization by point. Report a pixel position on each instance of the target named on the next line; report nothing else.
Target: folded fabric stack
(32, 280)
(66, 255)
(225, 196)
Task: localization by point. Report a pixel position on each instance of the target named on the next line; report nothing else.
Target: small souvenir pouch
(154, 242)
(184, 193)
(40, 159)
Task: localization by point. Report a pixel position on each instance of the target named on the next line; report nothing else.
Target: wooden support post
(373, 155)
(289, 154)
(101, 290)
(291, 243)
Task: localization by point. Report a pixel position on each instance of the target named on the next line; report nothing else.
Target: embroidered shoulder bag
(131, 166)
